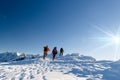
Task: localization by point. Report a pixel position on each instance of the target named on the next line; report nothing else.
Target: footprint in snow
(31, 76)
(22, 76)
(44, 78)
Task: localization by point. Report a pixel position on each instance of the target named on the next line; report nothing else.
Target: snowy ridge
(68, 67)
(15, 56)
(8, 56)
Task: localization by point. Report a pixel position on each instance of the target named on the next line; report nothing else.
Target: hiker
(54, 52)
(61, 51)
(46, 50)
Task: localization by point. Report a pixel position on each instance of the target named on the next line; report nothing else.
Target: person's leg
(62, 53)
(44, 56)
(53, 56)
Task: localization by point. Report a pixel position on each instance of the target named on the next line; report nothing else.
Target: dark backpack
(45, 48)
(61, 50)
(54, 51)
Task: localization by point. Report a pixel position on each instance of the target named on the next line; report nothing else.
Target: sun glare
(116, 40)
(111, 39)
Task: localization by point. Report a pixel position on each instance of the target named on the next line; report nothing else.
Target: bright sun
(110, 39)
(116, 40)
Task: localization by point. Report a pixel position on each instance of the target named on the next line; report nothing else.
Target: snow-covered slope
(68, 67)
(8, 56)
(15, 56)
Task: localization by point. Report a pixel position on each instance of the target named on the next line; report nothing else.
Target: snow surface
(69, 67)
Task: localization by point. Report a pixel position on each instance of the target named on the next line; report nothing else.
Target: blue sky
(79, 26)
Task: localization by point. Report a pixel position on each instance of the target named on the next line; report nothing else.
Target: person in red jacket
(46, 50)
(54, 52)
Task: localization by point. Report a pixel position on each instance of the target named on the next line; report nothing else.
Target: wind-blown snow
(69, 67)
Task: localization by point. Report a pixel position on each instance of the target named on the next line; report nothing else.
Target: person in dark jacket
(61, 51)
(54, 52)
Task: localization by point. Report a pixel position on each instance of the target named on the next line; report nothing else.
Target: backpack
(61, 50)
(45, 49)
(54, 51)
